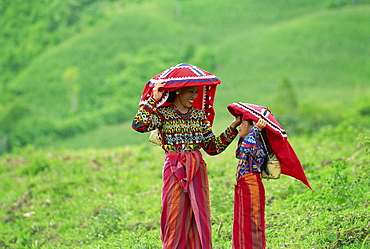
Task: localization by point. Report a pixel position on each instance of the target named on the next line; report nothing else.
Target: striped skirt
(185, 218)
(249, 213)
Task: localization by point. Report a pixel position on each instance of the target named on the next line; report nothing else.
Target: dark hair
(268, 147)
(264, 137)
(171, 97)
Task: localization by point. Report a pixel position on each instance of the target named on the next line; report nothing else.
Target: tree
(71, 76)
(286, 99)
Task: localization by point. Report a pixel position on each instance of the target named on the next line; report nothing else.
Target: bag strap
(264, 144)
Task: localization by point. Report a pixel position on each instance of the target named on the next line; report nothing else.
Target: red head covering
(186, 75)
(276, 135)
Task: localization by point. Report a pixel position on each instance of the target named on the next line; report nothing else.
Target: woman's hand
(237, 121)
(261, 123)
(157, 95)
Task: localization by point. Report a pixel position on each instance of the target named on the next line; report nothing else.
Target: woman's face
(244, 128)
(187, 95)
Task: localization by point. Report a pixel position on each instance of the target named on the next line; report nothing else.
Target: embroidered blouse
(179, 132)
(251, 153)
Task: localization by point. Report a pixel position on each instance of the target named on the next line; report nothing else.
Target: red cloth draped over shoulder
(277, 137)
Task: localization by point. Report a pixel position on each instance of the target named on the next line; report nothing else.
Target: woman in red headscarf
(184, 130)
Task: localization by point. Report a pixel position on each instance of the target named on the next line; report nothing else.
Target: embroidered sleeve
(147, 118)
(213, 145)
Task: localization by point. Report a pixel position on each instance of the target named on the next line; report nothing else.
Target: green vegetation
(89, 60)
(110, 198)
(75, 175)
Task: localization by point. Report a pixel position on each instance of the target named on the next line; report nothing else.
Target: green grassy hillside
(305, 49)
(111, 198)
(75, 175)
(325, 54)
(95, 78)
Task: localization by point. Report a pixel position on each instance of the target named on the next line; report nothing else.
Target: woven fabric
(185, 75)
(277, 137)
(251, 153)
(185, 219)
(249, 213)
(180, 132)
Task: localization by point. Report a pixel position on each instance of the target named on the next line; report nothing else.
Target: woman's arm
(146, 118)
(213, 145)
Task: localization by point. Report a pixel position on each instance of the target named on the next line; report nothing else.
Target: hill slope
(324, 54)
(96, 78)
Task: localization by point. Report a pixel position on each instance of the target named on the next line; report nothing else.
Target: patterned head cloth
(186, 75)
(276, 135)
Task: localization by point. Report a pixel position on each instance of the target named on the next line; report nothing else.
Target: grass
(102, 189)
(104, 137)
(110, 198)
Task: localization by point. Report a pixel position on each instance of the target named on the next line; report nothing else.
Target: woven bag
(155, 137)
(273, 168)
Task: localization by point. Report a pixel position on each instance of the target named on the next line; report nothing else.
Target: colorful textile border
(185, 75)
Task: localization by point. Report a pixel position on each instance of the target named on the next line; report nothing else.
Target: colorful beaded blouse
(251, 153)
(181, 132)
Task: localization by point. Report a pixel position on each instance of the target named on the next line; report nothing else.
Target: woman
(184, 130)
(249, 197)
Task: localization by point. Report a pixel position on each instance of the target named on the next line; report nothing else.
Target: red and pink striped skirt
(249, 213)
